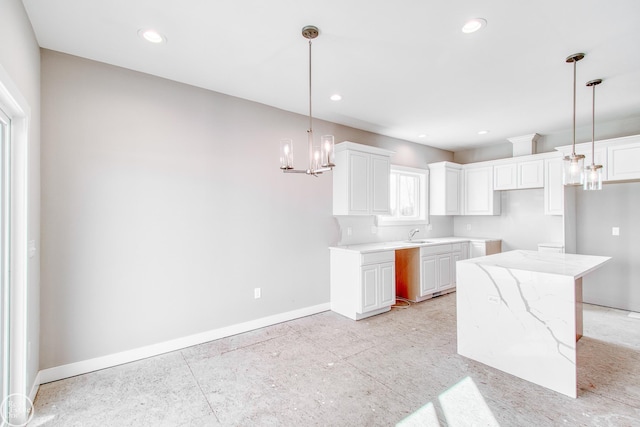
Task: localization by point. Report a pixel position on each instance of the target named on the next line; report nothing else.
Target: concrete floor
(398, 367)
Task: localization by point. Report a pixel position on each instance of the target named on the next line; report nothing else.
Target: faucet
(413, 232)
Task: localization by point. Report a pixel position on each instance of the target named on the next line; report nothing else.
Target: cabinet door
(477, 249)
(452, 192)
(623, 162)
(553, 188)
(478, 192)
(387, 284)
(531, 174)
(504, 177)
(456, 256)
(369, 298)
(358, 183)
(428, 275)
(380, 171)
(444, 278)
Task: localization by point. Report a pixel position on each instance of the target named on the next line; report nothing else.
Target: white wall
(547, 142)
(20, 60)
(163, 207)
(521, 225)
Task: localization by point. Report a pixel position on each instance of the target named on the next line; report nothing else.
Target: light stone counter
(521, 312)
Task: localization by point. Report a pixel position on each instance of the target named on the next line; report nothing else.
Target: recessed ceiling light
(473, 25)
(422, 135)
(336, 97)
(483, 132)
(151, 36)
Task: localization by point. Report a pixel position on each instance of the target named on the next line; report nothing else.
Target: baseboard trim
(35, 386)
(77, 368)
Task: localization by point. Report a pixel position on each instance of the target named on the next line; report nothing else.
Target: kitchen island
(521, 312)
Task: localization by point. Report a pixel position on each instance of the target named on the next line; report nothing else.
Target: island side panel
(521, 322)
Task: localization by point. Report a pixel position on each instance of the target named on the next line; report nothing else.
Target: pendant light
(321, 157)
(593, 172)
(573, 165)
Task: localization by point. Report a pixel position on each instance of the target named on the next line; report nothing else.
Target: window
(408, 196)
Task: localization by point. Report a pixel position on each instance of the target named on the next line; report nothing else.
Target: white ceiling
(403, 67)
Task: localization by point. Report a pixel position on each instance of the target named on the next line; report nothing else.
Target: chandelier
(321, 156)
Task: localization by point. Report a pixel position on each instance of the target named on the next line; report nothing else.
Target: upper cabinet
(553, 187)
(531, 174)
(619, 157)
(479, 195)
(445, 188)
(623, 161)
(361, 180)
(517, 174)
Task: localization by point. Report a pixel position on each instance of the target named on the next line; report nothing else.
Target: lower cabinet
(484, 247)
(428, 271)
(362, 285)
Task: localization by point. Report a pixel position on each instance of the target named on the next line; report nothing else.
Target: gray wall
(617, 283)
(163, 207)
(20, 59)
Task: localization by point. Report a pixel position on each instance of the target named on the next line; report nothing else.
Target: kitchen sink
(420, 241)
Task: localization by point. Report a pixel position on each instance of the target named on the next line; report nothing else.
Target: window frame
(423, 193)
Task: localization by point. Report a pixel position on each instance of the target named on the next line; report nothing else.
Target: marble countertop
(404, 244)
(574, 265)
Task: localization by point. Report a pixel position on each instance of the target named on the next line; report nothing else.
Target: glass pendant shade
(573, 170)
(593, 177)
(327, 151)
(286, 154)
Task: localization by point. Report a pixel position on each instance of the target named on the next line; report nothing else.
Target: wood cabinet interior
(408, 273)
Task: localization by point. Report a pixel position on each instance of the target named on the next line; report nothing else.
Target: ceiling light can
(473, 25)
(152, 36)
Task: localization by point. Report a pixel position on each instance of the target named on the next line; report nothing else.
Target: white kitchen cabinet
(553, 187)
(460, 252)
(362, 285)
(444, 188)
(623, 162)
(479, 195)
(481, 247)
(531, 174)
(518, 175)
(505, 176)
(361, 180)
(436, 274)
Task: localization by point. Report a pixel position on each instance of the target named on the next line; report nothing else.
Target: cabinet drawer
(456, 247)
(435, 249)
(378, 257)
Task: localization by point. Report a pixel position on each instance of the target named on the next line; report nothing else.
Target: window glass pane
(407, 196)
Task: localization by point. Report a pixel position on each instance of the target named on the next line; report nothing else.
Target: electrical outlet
(615, 231)
(468, 227)
(257, 293)
(349, 231)
(374, 229)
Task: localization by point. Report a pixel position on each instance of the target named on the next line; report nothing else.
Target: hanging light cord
(593, 126)
(573, 150)
(310, 131)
